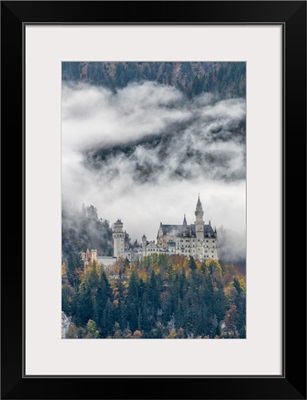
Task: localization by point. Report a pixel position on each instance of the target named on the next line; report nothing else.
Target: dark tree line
(228, 79)
(160, 297)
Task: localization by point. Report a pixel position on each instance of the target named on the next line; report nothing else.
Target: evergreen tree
(133, 303)
(153, 295)
(85, 305)
(192, 263)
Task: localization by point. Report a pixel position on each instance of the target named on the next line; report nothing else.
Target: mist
(144, 153)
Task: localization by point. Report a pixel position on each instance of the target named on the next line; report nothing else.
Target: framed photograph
(161, 152)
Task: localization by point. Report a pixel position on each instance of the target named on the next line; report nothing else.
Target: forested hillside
(228, 79)
(83, 229)
(158, 297)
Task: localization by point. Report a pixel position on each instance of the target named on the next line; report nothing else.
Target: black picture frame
(292, 16)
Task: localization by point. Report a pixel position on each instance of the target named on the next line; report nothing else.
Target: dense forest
(227, 79)
(160, 296)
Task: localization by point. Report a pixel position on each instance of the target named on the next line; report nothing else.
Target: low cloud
(94, 116)
(144, 153)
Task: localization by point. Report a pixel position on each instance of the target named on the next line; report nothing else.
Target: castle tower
(144, 243)
(94, 255)
(118, 238)
(199, 223)
(88, 257)
(199, 230)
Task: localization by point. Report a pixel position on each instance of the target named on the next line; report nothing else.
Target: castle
(198, 240)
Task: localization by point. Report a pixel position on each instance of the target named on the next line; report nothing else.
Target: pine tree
(192, 263)
(133, 303)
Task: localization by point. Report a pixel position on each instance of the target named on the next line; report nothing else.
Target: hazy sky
(144, 153)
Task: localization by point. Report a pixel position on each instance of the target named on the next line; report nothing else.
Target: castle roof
(185, 231)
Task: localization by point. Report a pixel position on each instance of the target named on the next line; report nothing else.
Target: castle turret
(144, 243)
(199, 223)
(199, 230)
(94, 255)
(118, 238)
(184, 222)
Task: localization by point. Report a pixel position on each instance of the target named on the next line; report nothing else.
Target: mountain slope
(228, 79)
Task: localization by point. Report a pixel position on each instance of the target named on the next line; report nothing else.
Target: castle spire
(199, 212)
(199, 206)
(184, 221)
